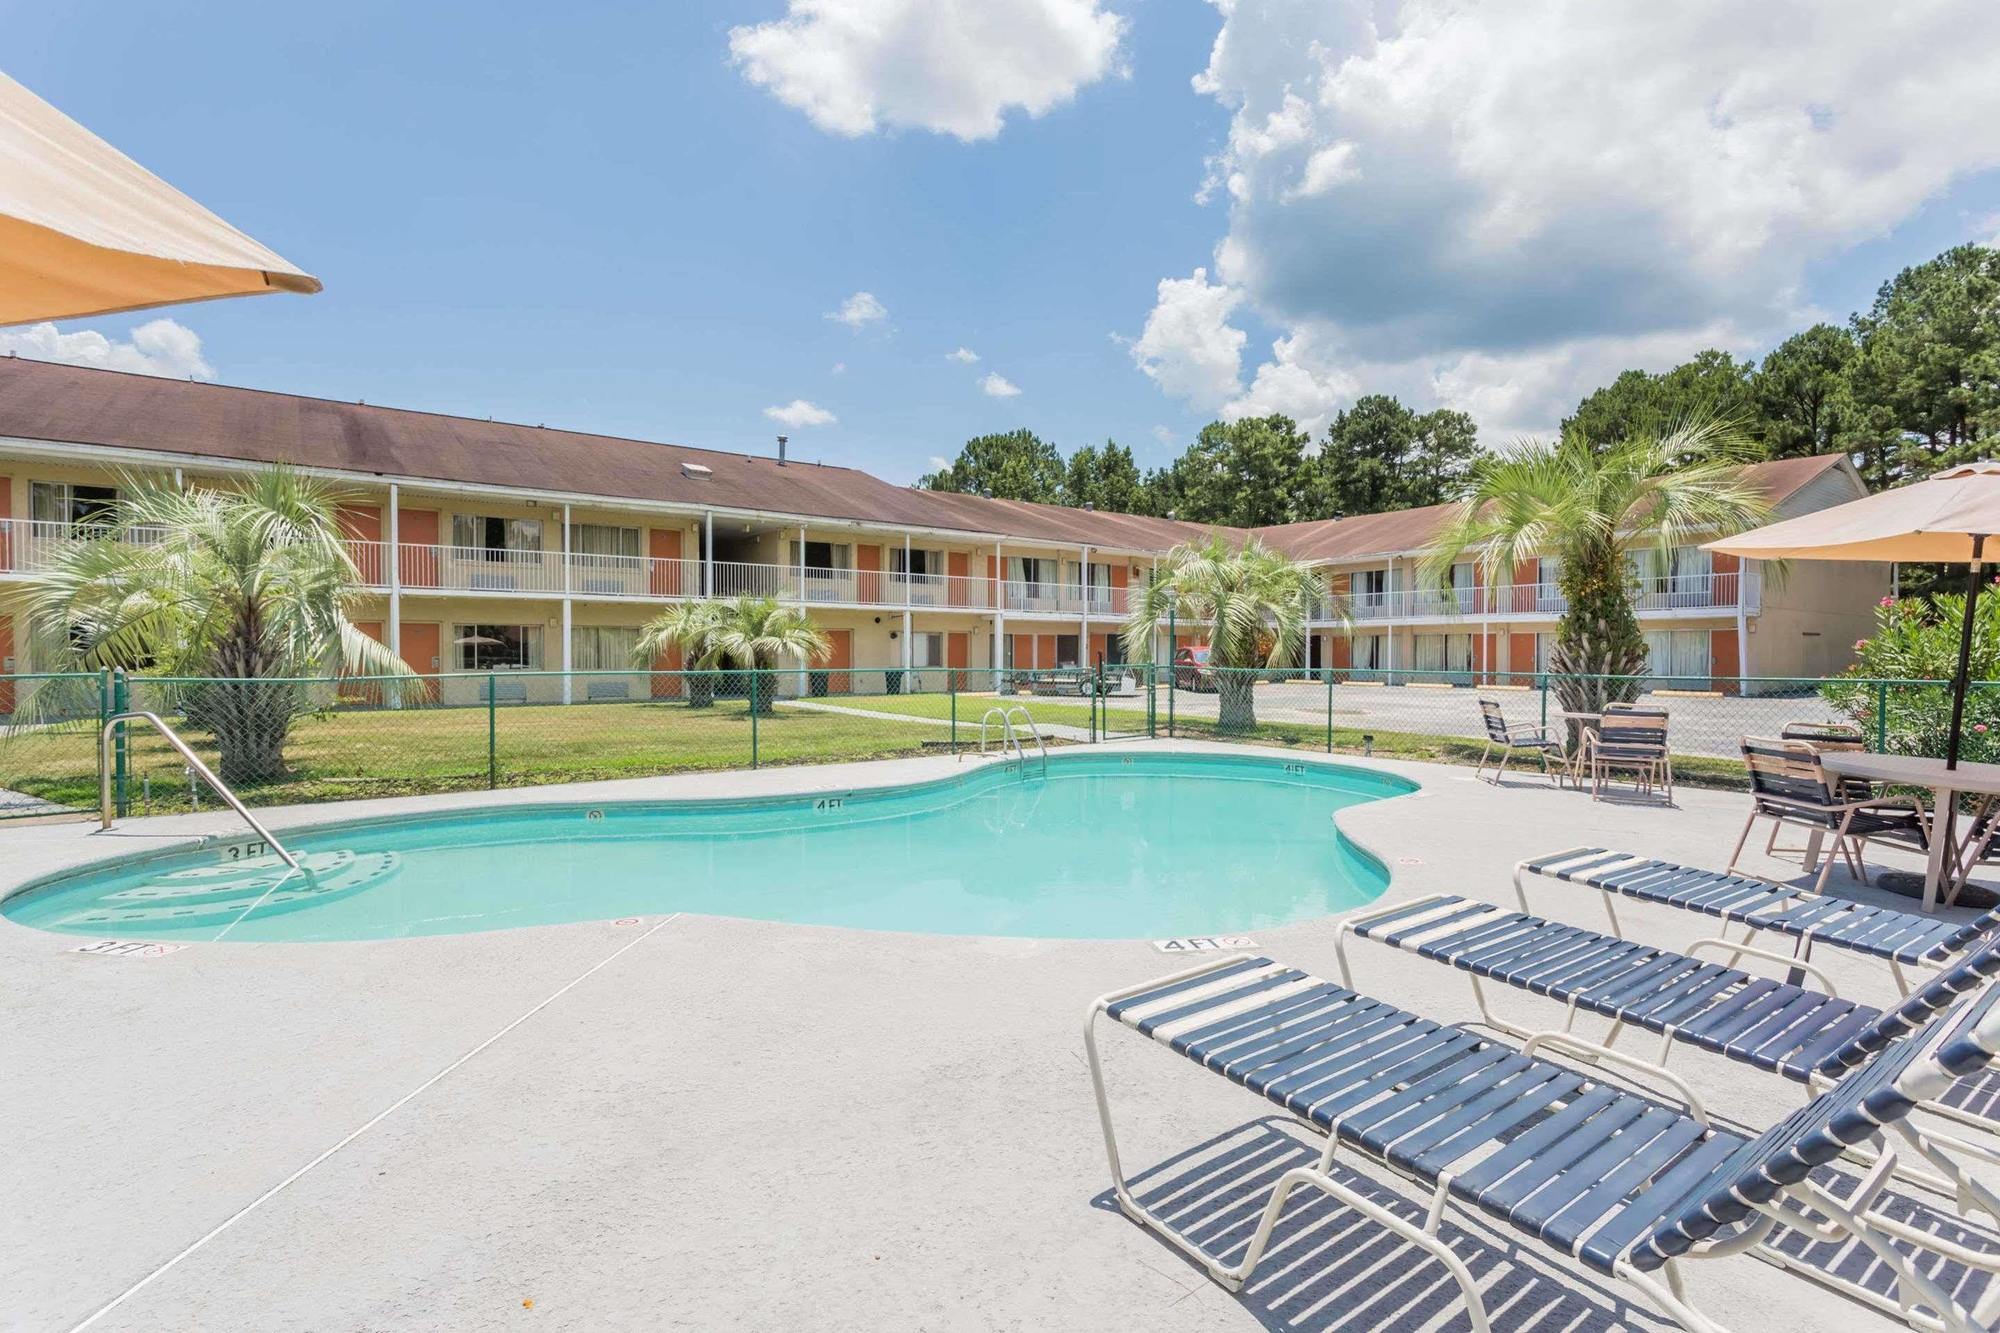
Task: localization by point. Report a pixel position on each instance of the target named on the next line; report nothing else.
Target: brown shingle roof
(70, 404)
(1411, 529)
(41, 401)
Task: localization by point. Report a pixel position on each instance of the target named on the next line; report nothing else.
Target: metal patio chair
(1789, 785)
(1508, 740)
(1632, 739)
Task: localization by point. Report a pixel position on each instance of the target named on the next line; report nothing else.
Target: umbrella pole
(1963, 680)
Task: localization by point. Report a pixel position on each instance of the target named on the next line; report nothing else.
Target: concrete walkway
(709, 1123)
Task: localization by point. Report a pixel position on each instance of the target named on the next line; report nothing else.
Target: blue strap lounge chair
(1624, 1183)
(1900, 939)
(1805, 1035)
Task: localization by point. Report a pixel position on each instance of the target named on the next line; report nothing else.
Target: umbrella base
(1909, 884)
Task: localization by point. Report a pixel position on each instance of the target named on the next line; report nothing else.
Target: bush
(1916, 639)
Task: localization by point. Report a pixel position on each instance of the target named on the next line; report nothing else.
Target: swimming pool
(1105, 846)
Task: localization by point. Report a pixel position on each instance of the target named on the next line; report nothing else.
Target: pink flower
(1979, 727)
(1859, 644)
(1888, 601)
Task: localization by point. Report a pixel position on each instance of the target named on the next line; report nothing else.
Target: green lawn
(385, 752)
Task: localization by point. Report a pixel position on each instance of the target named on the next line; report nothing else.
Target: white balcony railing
(29, 544)
(1068, 599)
(1684, 592)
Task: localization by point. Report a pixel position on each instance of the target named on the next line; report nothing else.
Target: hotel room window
(498, 647)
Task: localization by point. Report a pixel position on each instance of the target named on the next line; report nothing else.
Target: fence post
(754, 687)
(492, 731)
(121, 751)
(1329, 710)
(1545, 700)
(1881, 717)
(1173, 673)
(951, 684)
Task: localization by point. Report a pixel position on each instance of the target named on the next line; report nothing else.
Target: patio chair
(1824, 737)
(1634, 739)
(1624, 1183)
(1789, 785)
(1807, 1036)
(1981, 847)
(1900, 939)
(1535, 740)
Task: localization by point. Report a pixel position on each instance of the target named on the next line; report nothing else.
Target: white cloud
(157, 347)
(996, 385)
(1188, 346)
(965, 356)
(953, 67)
(1163, 435)
(799, 413)
(939, 462)
(859, 311)
(1496, 201)
(839, 368)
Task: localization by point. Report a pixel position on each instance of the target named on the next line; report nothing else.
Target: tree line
(1903, 388)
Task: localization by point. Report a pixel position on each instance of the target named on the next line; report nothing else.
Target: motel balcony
(1678, 594)
(427, 568)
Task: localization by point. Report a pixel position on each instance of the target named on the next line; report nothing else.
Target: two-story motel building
(493, 546)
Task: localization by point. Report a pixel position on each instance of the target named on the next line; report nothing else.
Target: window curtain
(603, 539)
(603, 647)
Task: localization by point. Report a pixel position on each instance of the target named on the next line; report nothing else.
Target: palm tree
(746, 631)
(248, 590)
(690, 628)
(1592, 507)
(1249, 600)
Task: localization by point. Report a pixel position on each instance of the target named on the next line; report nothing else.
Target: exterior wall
(1814, 611)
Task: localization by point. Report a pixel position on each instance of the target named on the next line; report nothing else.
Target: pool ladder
(200, 769)
(1010, 735)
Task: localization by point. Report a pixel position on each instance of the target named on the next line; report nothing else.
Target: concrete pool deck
(704, 1122)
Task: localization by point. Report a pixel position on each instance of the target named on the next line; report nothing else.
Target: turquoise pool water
(1104, 846)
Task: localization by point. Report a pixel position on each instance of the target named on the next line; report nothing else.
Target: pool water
(1103, 846)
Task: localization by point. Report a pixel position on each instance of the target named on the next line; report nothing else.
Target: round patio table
(1907, 770)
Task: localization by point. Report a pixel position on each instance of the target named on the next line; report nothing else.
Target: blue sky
(625, 219)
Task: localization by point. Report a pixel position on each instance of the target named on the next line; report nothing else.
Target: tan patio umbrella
(85, 230)
(1943, 520)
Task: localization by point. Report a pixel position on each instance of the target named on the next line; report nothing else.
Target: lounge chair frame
(1802, 1205)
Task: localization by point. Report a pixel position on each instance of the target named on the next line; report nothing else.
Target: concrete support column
(708, 554)
(568, 689)
(1744, 573)
(395, 577)
(1083, 592)
(999, 616)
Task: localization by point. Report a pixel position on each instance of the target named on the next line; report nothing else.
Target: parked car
(1191, 670)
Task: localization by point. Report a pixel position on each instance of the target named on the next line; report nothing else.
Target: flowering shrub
(1917, 640)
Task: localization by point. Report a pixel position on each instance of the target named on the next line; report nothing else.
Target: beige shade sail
(85, 230)
(1932, 521)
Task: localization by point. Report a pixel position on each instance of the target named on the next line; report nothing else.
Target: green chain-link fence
(335, 739)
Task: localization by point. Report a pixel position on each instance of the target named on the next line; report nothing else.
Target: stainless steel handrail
(1006, 733)
(1033, 730)
(202, 771)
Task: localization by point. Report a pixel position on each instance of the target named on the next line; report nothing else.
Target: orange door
(1343, 652)
(958, 656)
(665, 686)
(959, 565)
(664, 545)
(839, 658)
(421, 651)
(7, 665)
(1526, 591)
(868, 562)
(366, 694)
(1722, 586)
(1520, 656)
(1024, 652)
(1723, 667)
(362, 526)
(1045, 650)
(417, 532)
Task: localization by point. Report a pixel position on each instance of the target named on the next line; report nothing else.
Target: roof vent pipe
(781, 450)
